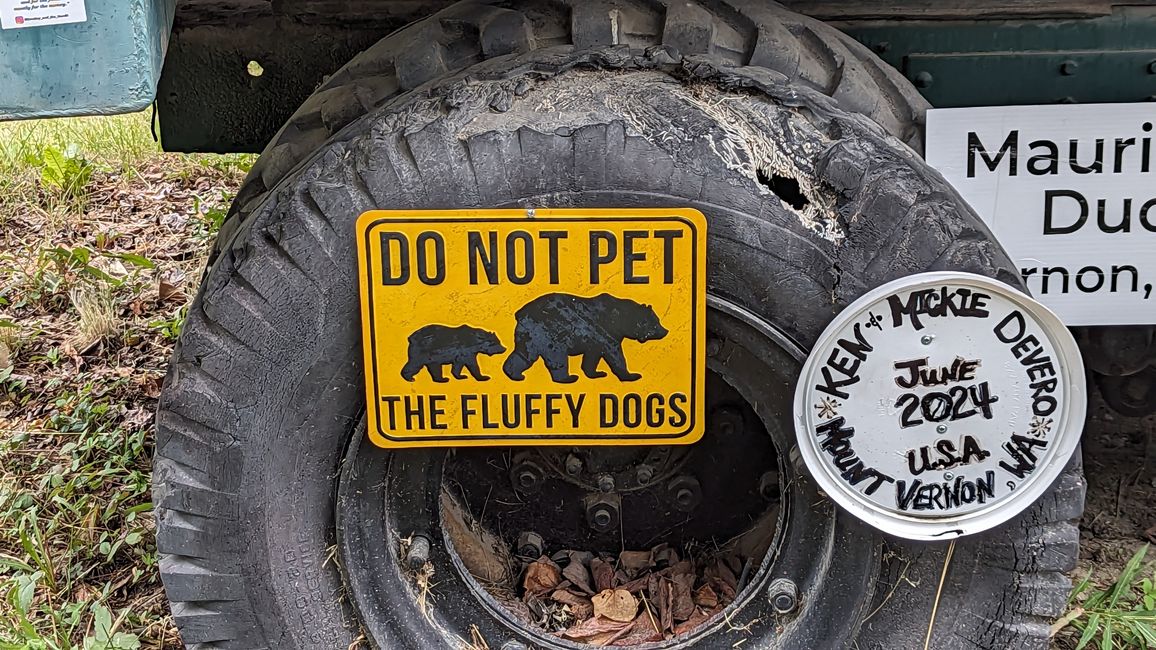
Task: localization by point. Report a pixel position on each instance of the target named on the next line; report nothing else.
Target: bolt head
(602, 518)
(769, 485)
(1068, 68)
(941, 428)
(685, 491)
(926, 339)
(418, 553)
(923, 79)
(784, 595)
(644, 474)
(606, 483)
(531, 212)
(947, 476)
(527, 478)
(573, 465)
(531, 544)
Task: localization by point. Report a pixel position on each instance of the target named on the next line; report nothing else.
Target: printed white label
(1068, 191)
(17, 14)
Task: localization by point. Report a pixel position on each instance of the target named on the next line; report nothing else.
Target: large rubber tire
(738, 32)
(265, 383)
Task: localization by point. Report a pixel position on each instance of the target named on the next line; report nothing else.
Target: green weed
(90, 303)
(1121, 616)
(64, 174)
(170, 327)
(75, 511)
(210, 216)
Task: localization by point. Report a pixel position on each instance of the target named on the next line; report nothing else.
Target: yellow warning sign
(505, 327)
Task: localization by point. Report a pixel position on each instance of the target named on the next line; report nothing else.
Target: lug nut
(531, 544)
(769, 485)
(603, 511)
(684, 498)
(526, 475)
(726, 420)
(573, 465)
(418, 553)
(686, 491)
(606, 483)
(644, 474)
(784, 595)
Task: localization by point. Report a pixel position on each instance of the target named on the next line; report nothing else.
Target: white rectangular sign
(17, 14)
(1070, 192)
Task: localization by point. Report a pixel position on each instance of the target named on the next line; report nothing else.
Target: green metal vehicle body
(208, 98)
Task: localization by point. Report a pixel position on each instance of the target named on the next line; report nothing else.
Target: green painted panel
(996, 62)
(107, 64)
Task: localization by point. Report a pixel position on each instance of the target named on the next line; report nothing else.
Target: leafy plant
(210, 216)
(1121, 616)
(66, 172)
(105, 636)
(170, 328)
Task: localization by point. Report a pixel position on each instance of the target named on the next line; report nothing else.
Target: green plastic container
(107, 64)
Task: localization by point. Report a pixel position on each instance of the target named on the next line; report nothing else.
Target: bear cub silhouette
(434, 346)
(557, 326)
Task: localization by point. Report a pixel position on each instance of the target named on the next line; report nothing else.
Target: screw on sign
(941, 404)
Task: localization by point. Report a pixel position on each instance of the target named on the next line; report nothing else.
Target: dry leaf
(706, 597)
(682, 599)
(696, 619)
(596, 630)
(580, 606)
(615, 604)
(576, 573)
(720, 577)
(542, 576)
(633, 562)
(641, 631)
(168, 291)
(666, 598)
(603, 574)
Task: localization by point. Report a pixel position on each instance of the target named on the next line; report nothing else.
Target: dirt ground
(1120, 510)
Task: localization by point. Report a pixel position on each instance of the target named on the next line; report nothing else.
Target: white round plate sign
(940, 404)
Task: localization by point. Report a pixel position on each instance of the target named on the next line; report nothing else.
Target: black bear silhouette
(434, 346)
(557, 326)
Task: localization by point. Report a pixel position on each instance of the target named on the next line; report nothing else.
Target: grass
(102, 241)
(1117, 616)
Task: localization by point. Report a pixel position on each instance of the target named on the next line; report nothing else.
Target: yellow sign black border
(688, 216)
